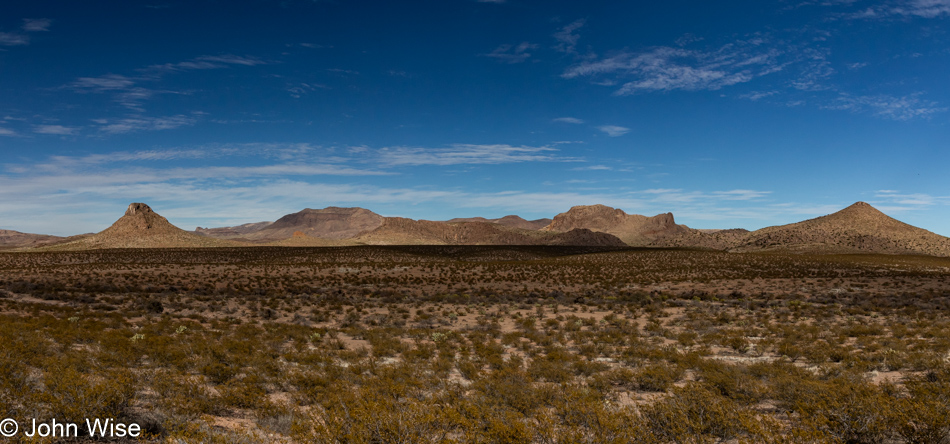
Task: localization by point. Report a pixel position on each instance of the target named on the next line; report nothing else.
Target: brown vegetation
(480, 344)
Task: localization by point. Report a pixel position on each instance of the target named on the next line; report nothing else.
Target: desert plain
(801, 340)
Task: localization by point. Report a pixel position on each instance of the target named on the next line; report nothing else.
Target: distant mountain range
(859, 228)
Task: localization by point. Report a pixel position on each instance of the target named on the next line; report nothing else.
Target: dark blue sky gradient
(743, 114)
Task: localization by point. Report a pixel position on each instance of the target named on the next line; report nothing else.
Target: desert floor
(479, 344)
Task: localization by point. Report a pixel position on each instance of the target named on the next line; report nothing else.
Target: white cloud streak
(573, 120)
(206, 62)
(13, 39)
(136, 124)
(924, 8)
(910, 200)
(21, 39)
(567, 38)
(888, 107)
(906, 8)
(108, 82)
(59, 130)
(458, 154)
(614, 130)
(36, 25)
(128, 92)
(668, 68)
(512, 53)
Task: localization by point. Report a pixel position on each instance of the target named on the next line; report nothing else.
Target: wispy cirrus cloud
(301, 89)
(614, 130)
(572, 120)
(905, 8)
(512, 53)
(7, 132)
(909, 200)
(13, 39)
(36, 25)
(205, 62)
(21, 38)
(59, 130)
(757, 95)
(567, 37)
(458, 154)
(808, 73)
(924, 8)
(108, 82)
(129, 91)
(142, 123)
(670, 195)
(124, 89)
(888, 107)
(814, 70)
(668, 68)
(265, 151)
(593, 168)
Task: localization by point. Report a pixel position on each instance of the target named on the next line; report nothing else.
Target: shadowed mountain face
(232, 232)
(401, 231)
(16, 239)
(508, 221)
(857, 228)
(633, 229)
(141, 227)
(328, 223)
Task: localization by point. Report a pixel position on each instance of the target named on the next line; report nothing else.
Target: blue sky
(728, 114)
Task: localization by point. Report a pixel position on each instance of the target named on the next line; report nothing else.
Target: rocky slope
(327, 223)
(859, 228)
(141, 227)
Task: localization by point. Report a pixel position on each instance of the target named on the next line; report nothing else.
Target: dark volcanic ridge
(859, 228)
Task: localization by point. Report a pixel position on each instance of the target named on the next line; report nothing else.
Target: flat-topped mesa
(634, 229)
